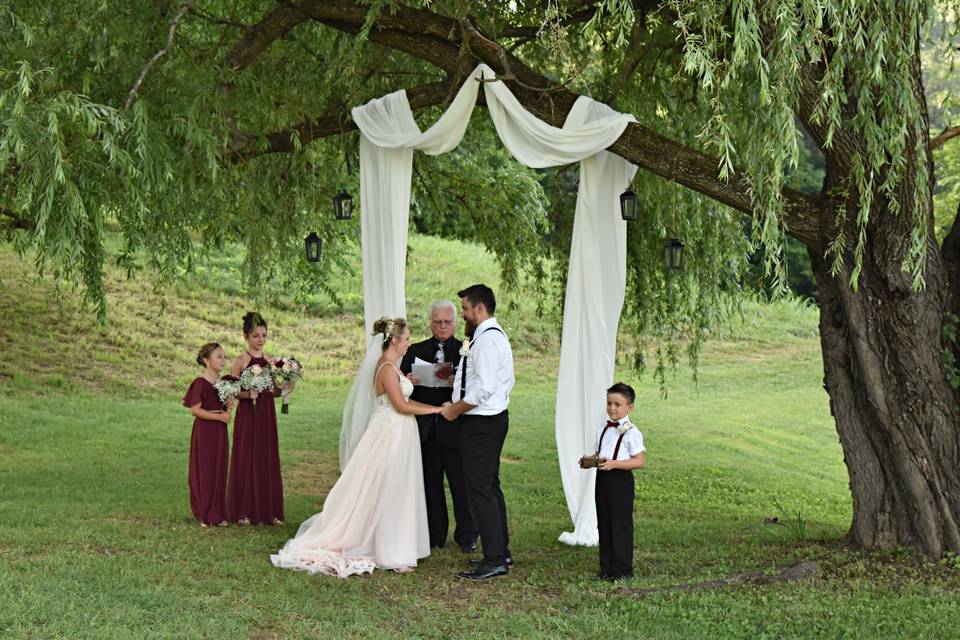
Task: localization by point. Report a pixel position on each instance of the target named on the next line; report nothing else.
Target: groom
(481, 393)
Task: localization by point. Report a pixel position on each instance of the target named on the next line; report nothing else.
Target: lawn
(97, 540)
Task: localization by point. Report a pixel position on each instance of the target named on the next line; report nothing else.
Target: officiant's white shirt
(489, 371)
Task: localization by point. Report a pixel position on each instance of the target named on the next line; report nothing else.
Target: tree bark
(894, 411)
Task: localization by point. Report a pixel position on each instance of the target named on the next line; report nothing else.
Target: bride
(375, 516)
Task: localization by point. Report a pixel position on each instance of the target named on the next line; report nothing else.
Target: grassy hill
(96, 537)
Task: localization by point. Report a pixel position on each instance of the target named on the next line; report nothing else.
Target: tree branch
(945, 135)
(457, 47)
(209, 17)
(336, 121)
(143, 74)
(533, 32)
(631, 60)
(14, 221)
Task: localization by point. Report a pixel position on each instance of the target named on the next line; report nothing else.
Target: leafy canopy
(182, 171)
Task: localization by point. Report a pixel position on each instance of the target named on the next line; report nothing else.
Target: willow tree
(229, 117)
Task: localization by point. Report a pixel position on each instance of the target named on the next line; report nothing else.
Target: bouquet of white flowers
(286, 371)
(227, 388)
(256, 378)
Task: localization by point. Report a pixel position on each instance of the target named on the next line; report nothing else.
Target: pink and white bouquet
(286, 371)
(256, 378)
(228, 387)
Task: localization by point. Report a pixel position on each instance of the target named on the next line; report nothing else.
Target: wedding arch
(597, 272)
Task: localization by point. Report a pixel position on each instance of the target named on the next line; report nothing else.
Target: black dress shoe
(476, 563)
(485, 572)
(468, 548)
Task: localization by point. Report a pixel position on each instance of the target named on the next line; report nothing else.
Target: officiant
(430, 366)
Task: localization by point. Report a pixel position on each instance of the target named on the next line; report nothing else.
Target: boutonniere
(465, 348)
(625, 426)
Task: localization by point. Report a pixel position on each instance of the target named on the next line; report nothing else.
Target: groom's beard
(469, 328)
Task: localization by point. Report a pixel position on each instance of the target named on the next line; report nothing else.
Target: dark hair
(252, 320)
(390, 328)
(480, 294)
(205, 352)
(625, 390)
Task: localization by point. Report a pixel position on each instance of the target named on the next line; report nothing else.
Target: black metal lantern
(673, 254)
(342, 205)
(313, 244)
(628, 205)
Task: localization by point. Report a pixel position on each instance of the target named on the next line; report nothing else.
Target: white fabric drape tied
(597, 273)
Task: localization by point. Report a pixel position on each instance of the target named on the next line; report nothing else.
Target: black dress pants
(437, 520)
(481, 443)
(440, 460)
(614, 496)
(465, 532)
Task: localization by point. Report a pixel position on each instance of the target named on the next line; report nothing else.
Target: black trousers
(614, 496)
(439, 461)
(481, 443)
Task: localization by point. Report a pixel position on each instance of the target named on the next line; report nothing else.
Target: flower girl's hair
(205, 352)
(389, 328)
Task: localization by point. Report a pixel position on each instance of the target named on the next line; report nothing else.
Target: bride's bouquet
(228, 387)
(256, 378)
(286, 371)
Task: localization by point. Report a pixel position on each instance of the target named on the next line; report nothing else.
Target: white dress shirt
(632, 441)
(489, 371)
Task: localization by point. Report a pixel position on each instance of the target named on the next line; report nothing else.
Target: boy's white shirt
(631, 445)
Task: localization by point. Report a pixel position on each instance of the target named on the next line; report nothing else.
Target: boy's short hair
(625, 390)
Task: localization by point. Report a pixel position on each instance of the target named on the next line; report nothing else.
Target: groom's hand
(449, 413)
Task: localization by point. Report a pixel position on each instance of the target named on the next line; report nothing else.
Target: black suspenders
(463, 363)
(616, 449)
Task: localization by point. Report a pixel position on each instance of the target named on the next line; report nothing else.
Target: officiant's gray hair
(442, 305)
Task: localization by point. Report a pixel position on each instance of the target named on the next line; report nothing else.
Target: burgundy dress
(208, 456)
(255, 490)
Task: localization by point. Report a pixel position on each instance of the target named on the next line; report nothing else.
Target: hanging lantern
(313, 244)
(342, 205)
(673, 254)
(628, 205)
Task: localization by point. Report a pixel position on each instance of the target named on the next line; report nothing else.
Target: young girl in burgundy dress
(255, 490)
(208, 443)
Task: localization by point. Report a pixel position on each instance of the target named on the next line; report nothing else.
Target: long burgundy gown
(255, 490)
(208, 456)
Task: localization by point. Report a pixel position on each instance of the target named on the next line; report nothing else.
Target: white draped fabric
(596, 280)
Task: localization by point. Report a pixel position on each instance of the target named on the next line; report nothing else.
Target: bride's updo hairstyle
(252, 320)
(389, 328)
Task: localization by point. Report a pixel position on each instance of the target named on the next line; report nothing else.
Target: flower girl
(208, 444)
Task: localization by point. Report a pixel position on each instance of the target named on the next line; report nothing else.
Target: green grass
(97, 540)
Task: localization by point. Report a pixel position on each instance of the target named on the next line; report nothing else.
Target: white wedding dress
(375, 517)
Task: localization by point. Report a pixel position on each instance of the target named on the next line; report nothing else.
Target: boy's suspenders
(463, 363)
(616, 449)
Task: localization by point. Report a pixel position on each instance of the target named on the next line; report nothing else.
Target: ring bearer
(619, 451)
(430, 365)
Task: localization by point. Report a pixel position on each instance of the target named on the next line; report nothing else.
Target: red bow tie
(613, 423)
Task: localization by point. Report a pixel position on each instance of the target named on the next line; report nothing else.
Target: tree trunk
(895, 412)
